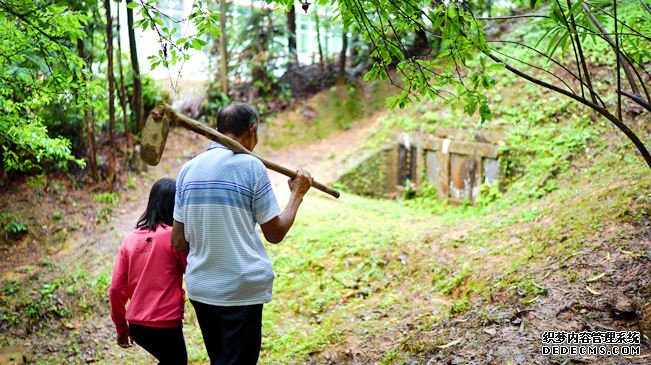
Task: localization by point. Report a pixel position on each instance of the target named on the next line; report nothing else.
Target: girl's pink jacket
(149, 272)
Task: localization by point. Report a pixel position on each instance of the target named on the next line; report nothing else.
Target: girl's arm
(118, 294)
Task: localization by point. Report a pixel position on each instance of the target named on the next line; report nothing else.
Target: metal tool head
(154, 135)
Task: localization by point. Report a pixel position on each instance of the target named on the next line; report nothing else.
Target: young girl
(149, 271)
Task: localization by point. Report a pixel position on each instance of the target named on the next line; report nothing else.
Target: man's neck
(239, 140)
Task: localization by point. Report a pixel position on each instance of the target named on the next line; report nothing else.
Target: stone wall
(375, 174)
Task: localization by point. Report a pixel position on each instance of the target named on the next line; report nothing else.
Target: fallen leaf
(532, 300)
(450, 344)
(630, 253)
(592, 290)
(596, 277)
(638, 357)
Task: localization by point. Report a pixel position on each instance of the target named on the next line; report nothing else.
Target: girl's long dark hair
(160, 208)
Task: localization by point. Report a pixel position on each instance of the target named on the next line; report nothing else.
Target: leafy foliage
(456, 68)
(461, 39)
(38, 68)
(173, 49)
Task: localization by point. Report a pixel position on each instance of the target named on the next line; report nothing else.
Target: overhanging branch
(603, 111)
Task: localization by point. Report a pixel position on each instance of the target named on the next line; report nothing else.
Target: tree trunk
(136, 102)
(111, 84)
(318, 39)
(420, 47)
(123, 96)
(291, 36)
(88, 116)
(223, 55)
(341, 73)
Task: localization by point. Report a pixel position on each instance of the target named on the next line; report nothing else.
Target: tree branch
(620, 57)
(611, 16)
(636, 99)
(645, 6)
(513, 17)
(23, 18)
(574, 48)
(537, 68)
(581, 57)
(625, 55)
(619, 76)
(603, 111)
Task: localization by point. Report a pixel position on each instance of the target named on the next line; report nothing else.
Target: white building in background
(199, 68)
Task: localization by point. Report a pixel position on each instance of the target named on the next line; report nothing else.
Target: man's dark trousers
(232, 335)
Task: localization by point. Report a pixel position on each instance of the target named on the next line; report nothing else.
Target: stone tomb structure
(456, 162)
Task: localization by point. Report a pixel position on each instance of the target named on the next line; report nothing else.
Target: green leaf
(372, 73)
(383, 74)
(214, 31)
(396, 51)
(484, 112)
(575, 7)
(133, 5)
(470, 107)
(198, 44)
(451, 12)
(543, 37)
(496, 67)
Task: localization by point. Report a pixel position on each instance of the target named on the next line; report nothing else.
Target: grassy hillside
(384, 282)
(371, 281)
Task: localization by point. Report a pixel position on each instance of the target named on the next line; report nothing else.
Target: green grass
(51, 295)
(351, 268)
(337, 256)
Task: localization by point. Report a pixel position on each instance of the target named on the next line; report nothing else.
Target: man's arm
(275, 230)
(178, 237)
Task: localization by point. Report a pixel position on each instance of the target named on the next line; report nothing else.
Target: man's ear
(253, 131)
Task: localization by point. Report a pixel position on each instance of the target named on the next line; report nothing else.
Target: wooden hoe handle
(233, 145)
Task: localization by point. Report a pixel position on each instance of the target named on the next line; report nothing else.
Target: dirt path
(324, 159)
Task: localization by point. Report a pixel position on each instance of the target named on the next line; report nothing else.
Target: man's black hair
(236, 118)
(160, 208)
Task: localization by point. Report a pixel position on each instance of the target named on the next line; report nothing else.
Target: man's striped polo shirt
(220, 197)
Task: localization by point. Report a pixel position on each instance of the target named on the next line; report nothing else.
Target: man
(220, 198)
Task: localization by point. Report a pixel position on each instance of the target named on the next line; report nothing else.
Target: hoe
(154, 136)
